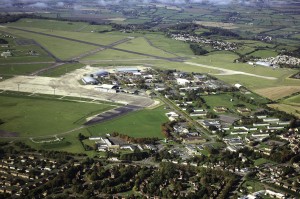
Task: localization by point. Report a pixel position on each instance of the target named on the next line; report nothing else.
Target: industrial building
(127, 70)
(101, 73)
(109, 88)
(89, 80)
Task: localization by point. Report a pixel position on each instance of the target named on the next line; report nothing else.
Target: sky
(60, 3)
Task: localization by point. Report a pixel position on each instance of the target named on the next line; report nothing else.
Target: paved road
(187, 117)
(100, 45)
(112, 114)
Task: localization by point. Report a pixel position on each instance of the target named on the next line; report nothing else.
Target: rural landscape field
(205, 89)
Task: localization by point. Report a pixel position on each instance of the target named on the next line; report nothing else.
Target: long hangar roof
(127, 70)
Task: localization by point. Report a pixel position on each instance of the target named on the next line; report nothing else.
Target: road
(187, 118)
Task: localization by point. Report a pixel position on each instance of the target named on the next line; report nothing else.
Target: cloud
(38, 5)
(60, 4)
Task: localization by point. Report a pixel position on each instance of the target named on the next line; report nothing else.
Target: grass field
(61, 48)
(61, 70)
(293, 100)
(144, 123)
(94, 37)
(30, 116)
(292, 109)
(60, 25)
(225, 100)
(114, 55)
(170, 45)
(20, 69)
(264, 53)
(141, 45)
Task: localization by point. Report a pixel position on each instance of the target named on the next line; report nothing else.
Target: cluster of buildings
(126, 80)
(218, 45)
(293, 138)
(113, 144)
(280, 60)
(280, 175)
(18, 173)
(6, 54)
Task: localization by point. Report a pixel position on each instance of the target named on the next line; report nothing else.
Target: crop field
(275, 93)
(144, 123)
(30, 116)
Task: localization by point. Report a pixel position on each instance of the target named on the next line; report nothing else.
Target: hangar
(89, 80)
(101, 73)
(127, 70)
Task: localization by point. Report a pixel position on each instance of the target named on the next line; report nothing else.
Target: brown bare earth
(217, 24)
(275, 93)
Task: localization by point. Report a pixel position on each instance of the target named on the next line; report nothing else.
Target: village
(238, 124)
(217, 45)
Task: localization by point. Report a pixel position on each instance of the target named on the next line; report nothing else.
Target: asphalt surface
(114, 113)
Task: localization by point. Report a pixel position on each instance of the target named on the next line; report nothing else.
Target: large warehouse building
(89, 80)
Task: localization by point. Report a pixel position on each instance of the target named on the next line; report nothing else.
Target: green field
(61, 70)
(60, 25)
(114, 55)
(225, 100)
(264, 53)
(293, 100)
(144, 123)
(141, 45)
(30, 116)
(61, 48)
(20, 69)
(162, 42)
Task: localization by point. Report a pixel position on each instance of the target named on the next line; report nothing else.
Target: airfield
(52, 78)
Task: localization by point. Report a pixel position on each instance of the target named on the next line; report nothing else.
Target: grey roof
(89, 79)
(101, 72)
(127, 69)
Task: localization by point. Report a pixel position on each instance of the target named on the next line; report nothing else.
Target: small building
(181, 81)
(89, 80)
(238, 86)
(220, 109)
(6, 54)
(243, 110)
